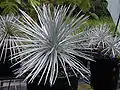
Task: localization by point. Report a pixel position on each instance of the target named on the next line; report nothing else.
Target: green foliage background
(95, 6)
(96, 9)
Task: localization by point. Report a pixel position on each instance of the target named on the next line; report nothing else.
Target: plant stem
(117, 25)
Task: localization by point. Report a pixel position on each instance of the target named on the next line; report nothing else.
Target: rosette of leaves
(50, 44)
(99, 36)
(102, 40)
(113, 47)
(8, 30)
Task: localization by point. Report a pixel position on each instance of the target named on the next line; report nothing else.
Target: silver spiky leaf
(8, 30)
(113, 47)
(98, 36)
(50, 43)
(102, 40)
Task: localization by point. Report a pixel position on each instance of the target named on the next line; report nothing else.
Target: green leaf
(9, 7)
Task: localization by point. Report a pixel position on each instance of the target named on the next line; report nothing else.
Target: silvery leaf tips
(113, 47)
(102, 40)
(99, 36)
(8, 30)
(50, 43)
(114, 43)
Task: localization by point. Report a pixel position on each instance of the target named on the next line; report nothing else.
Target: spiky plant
(101, 39)
(50, 44)
(113, 47)
(8, 30)
(99, 35)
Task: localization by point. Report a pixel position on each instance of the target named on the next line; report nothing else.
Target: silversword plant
(8, 30)
(101, 39)
(50, 43)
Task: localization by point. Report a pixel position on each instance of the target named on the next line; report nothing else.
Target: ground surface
(19, 85)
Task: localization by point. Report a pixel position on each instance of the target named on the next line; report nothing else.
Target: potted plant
(7, 31)
(48, 56)
(106, 52)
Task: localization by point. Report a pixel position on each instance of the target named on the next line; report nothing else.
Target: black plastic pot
(5, 70)
(5, 64)
(104, 73)
(61, 84)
